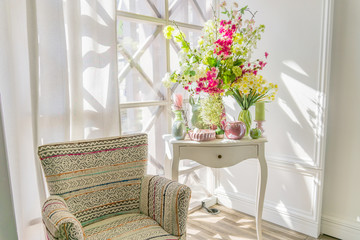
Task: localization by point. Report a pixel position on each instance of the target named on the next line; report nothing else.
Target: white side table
(219, 153)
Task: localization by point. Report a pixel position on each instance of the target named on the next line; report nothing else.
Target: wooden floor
(233, 225)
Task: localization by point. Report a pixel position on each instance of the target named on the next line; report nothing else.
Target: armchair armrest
(165, 201)
(59, 222)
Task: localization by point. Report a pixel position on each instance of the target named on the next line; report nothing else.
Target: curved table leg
(175, 164)
(262, 180)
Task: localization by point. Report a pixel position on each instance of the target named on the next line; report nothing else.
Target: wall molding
(291, 160)
(290, 220)
(295, 164)
(289, 211)
(340, 228)
(289, 167)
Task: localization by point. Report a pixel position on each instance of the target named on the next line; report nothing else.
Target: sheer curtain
(58, 72)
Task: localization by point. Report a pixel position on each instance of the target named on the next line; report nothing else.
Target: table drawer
(219, 156)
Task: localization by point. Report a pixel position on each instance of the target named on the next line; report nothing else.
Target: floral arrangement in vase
(221, 64)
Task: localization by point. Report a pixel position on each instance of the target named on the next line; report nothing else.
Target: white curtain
(58, 72)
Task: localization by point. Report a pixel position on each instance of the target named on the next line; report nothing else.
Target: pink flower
(178, 101)
(266, 54)
(209, 84)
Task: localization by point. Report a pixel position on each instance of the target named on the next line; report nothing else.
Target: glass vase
(178, 128)
(245, 117)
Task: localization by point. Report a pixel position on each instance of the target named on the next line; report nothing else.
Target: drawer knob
(219, 156)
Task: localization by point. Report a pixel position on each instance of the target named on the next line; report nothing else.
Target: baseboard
(340, 228)
(196, 205)
(296, 223)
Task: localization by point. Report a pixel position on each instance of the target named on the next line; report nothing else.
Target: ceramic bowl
(202, 135)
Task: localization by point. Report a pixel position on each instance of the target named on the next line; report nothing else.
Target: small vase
(245, 117)
(178, 127)
(235, 130)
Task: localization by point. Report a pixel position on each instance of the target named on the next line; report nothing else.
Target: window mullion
(168, 91)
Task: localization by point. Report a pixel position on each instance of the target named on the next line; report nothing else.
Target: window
(144, 56)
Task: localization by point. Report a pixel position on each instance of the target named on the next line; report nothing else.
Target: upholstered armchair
(99, 190)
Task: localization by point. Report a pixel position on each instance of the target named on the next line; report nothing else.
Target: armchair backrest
(97, 178)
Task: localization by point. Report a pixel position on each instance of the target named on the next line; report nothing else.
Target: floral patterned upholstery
(99, 191)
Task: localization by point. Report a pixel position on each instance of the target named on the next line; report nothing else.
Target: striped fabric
(59, 222)
(96, 187)
(166, 202)
(98, 178)
(127, 227)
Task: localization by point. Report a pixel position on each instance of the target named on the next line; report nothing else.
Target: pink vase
(235, 130)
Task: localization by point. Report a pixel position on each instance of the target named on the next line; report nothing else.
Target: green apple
(255, 133)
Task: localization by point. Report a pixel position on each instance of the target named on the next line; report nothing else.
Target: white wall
(296, 37)
(341, 205)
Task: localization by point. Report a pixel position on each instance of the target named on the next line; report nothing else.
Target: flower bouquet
(221, 62)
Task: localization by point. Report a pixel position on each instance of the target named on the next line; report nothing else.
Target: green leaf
(192, 73)
(211, 61)
(229, 93)
(184, 45)
(179, 38)
(232, 77)
(243, 9)
(219, 131)
(217, 64)
(239, 62)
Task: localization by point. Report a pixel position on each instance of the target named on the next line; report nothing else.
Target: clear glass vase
(178, 127)
(245, 117)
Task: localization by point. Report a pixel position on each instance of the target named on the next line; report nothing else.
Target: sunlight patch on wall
(304, 97)
(288, 111)
(299, 150)
(294, 66)
(282, 208)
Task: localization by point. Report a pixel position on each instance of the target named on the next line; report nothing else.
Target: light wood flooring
(233, 225)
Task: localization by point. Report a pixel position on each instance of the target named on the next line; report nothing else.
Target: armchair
(99, 190)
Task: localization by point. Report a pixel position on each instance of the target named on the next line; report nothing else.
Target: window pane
(152, 120)
(191, 11)
(153, 8)
(141, 61)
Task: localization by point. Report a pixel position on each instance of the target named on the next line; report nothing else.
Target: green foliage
(212, 108)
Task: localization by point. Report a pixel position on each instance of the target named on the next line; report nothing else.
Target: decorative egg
(255, 133)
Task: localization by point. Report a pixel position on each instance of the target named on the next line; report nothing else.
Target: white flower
(166, 81)
(209, 26)
(201, 72)
(182, 56)
(183, 67)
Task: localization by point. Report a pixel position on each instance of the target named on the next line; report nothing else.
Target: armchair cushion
(133, 226)
(59, 222)
(166, 202)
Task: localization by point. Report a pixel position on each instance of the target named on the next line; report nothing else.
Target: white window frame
(139, 18)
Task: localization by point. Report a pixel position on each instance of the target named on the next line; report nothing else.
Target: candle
(260, 111)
